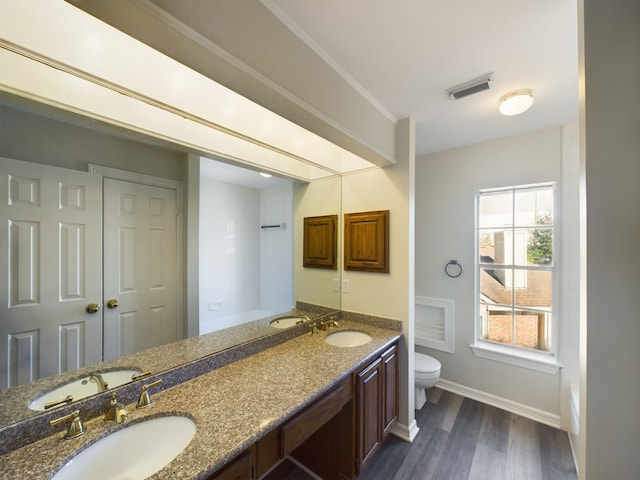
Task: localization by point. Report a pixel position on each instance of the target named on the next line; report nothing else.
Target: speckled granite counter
(233, 406)
(14, 401)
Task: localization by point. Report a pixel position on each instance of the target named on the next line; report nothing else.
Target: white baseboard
(526, 411)
(573, 442)
(405, 432)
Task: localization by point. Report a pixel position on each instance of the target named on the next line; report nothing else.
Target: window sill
(534, 361)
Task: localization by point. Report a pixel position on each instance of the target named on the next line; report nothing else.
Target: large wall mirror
(249, 227)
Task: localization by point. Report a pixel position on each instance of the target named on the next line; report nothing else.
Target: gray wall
(40, 139)
(446, 184)
(610, 324)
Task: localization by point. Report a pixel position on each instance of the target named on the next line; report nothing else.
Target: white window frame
(546, 362)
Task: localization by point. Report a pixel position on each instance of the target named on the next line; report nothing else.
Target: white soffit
(70, 59)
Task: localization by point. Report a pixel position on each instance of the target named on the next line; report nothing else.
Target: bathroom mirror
(42, 134)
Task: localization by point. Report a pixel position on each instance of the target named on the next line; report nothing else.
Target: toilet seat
(426, 364)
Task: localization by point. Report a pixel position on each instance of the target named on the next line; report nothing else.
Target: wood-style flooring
(462, 439)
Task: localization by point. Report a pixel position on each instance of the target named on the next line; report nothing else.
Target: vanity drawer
(297, 430)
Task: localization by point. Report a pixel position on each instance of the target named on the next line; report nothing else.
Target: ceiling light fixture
(265, 175)
(516, 102)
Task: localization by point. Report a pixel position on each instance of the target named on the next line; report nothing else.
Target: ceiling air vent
(476, 85)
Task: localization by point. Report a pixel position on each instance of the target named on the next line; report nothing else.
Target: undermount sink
(285, 322)
(135, 452)
(347, 338)
(83, 387)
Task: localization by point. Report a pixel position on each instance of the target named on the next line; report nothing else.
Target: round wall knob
(93, 308)
(113, 303)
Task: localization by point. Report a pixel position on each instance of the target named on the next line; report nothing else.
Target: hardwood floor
(461, 439)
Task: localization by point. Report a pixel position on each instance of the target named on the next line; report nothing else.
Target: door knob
(93, 308)
(113, 303)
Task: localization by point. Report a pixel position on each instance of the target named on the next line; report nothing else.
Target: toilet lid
(425, 363)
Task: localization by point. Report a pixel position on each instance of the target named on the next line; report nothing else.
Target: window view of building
(516, 266)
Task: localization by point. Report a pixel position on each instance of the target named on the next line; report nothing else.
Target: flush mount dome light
(516, 102)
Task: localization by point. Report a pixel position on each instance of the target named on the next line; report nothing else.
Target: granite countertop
(14, 401)
(232, 406)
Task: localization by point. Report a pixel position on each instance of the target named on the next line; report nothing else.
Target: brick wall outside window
(527, 330)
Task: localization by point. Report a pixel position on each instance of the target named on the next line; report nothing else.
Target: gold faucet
(116, 411)
(145, 399)
(302, 318)
(75, 428)
(99, 381)
(313, 327)
(328, 324)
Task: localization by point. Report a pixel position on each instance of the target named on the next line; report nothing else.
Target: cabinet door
(369, 411)
(320, 242)
(366, 241)
(239, 469)
(390, 401)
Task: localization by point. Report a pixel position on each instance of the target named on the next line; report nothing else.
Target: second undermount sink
(347, 338)
(82, 387)
(285, 322)
(132, 453)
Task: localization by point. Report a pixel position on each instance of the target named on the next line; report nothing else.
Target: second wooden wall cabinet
(319, 245)
(366, 241)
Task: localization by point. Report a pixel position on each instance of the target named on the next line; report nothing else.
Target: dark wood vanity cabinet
(377, 404)
(342, 447)
(240, 468)
(337, 435)
(390, 402)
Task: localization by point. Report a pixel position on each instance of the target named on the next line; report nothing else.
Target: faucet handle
(75, 428)
(145, 399)
(68, 399)
(138, 376)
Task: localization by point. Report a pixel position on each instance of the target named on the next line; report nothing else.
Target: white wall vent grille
(476, 85)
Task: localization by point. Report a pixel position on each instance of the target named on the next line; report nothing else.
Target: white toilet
(427, 374)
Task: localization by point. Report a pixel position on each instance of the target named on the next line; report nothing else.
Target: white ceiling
(404, 54)
(225, 172)
(401, 55)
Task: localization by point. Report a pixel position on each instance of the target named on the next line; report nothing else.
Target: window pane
(532, 330)
(537, 291)
(533, 207)
(494, 288)
(495, 209)
(495, 246)
(539, 246)
(498, 327)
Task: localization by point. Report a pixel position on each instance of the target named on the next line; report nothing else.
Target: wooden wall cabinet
(320, 242)
(366, 241)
